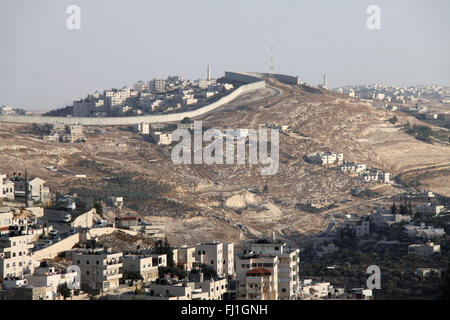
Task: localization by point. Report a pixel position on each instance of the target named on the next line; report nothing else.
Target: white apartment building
(259, 285)
(142, 264)
(427, 249)
(327, 158)
(6, 217)
(310, 289)
(376, 176)
(6, 188)
(288, 265)
(228, 257)
(361, 228)
(15, 256)
(141, 86)
(211, 254)
(100, 269)
(382, 219)
(352, 167)
(142, 128)
(220, 256)
(48, 277)
(162, 138)
(157, 85)
(250, 261)
(423, 231)
(181, 290)
(37, 190)
(186, 257)
(429, 208)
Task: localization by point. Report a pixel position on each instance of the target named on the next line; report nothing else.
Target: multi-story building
(214, 255)
(37, 190)
(15, 256)
(327, 158)
(429, 209)
(259, 285)
(157, 85)
(48, 277)
(141, 264)
(162, 138)
(169, 289)
(142, 128)
(140, 86)
(427, 249)
(423, 231)
(100, 269)
(249, 261)
(6, 188)
(186, 257)
(228, 257)
(288, 265)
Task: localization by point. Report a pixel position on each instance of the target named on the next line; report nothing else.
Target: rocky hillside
(230, 202)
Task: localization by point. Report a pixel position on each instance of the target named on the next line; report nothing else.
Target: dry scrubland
(200, 202)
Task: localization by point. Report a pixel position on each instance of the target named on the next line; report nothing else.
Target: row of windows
(258, 265)
(20, 264)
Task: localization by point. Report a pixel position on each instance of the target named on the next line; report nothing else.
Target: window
(98, 262)
(87, 261)
(283, 290)
(78, 261)
(212, 261)
(277, 248)
(87, 273)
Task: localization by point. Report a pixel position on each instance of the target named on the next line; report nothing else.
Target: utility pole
(271, 62)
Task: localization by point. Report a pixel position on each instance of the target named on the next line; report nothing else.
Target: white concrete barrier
(97, 232)
(52, 251)
(85, 220)
(118, 121)
(257, 76)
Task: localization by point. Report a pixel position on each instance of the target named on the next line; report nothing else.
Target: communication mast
(271, 62)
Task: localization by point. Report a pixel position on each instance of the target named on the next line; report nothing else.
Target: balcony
(112, 266)
(112, 277)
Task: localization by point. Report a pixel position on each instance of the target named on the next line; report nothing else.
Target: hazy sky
(44, 65)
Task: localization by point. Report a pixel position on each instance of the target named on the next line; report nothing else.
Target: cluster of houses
(366, 174)
(266, 269)
(14, 187)
(326, 158)
(420, 236)
(156, 132)
(65, 133)
(337, 159)
(147, 97)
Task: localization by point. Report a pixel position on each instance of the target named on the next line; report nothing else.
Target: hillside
(230, 202)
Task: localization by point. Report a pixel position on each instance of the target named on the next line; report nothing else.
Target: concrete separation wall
(97, 232)
(249, 77)
(118, 121)
(52, 251)
(85, 220)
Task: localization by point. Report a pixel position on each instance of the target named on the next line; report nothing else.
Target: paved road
(54, 218)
